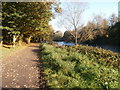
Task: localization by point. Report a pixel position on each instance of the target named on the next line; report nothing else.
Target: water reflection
(65, 43)
(107, 47)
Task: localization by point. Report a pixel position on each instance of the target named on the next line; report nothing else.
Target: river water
(107, 47)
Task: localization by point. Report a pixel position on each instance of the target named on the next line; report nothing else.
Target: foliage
(114, 35)
(68, 37)
(102, 56)
(26, 20)
(99, 30)
(57, 36)
(68, 68)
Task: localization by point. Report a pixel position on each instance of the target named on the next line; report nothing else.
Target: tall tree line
(27, 20)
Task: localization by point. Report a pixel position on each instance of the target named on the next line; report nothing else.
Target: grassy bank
(79, 67)
(7, 50)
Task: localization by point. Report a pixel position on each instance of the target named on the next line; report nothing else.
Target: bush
(102, 56)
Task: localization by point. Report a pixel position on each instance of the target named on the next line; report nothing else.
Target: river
(107, 47)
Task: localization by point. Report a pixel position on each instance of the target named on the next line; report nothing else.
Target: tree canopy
(26, 20)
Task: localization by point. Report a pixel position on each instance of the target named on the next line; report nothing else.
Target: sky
(93, 8)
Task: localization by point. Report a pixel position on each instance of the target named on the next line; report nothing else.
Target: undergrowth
(79, 67)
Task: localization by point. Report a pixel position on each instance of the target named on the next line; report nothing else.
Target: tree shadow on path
(42, 81)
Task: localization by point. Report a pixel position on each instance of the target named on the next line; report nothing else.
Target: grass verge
(5, 52)
(79, 67)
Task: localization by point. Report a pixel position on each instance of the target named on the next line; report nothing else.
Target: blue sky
(94, 8)
(102, 8)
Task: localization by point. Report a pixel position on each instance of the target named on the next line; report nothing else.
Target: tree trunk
(1, 43)
(28, 40)
(76, 37)
(20, 40)
(14, 40)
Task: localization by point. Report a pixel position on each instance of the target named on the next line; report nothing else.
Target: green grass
(4, 52)
(70, 67)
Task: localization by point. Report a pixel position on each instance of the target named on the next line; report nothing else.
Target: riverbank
(114, 48)
(79, 67)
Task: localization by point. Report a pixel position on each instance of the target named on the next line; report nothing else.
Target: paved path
(20, 69)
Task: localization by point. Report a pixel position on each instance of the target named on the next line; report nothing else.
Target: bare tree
(71, 17)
